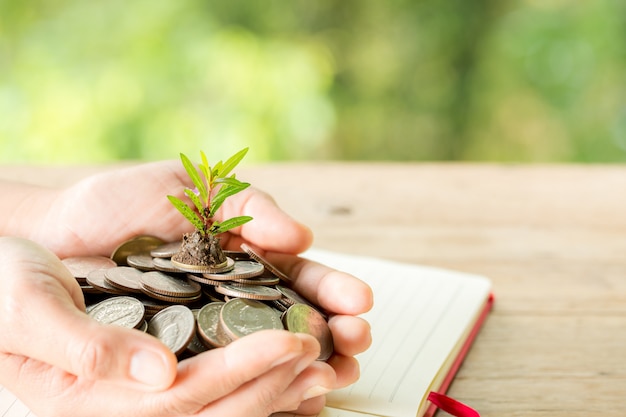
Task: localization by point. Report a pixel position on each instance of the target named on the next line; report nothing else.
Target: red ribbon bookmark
(451, 406)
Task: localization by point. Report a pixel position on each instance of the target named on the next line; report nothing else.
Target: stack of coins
(192, 308)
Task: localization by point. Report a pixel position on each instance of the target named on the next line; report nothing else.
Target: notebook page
(419, 315)
(10, 406)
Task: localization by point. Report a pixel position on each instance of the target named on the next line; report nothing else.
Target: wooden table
(551, 238)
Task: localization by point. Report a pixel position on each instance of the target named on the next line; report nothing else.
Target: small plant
(213, 185)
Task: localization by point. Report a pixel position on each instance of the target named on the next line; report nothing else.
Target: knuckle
(92, 357)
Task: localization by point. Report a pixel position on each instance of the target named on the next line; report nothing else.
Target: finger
(346, 368)
(351, 335)
(51, 328)
(315, 381)
(271, 228)
(220, 372)
(334, 291)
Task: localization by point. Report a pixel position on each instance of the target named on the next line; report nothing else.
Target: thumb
(95, 351)
(52, 329)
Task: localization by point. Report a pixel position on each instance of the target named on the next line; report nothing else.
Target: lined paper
(420, 317)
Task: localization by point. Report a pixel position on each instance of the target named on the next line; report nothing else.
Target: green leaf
(186, 211)
(194, 176)
(226, 191)
(226, 225)
(206, 169)
(216, 169)
(195, 200)
(232, 162)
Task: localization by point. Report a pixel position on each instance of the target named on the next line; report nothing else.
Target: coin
(167, 250)
(301, 318)
(174, 326)
(81, 266)
(165, 265)
(203, 280)
(97, 280)
(257, 257)
(196, 346)
(253, 292)
(242, 269)
(124, 278)
(164, 284)
(237, 255)
(208, 325)
(139, 244)
(120, 311)
(240, 317)
(265, 281)
(172, 299)
(141, 261)
(205, 269)
(291, 296)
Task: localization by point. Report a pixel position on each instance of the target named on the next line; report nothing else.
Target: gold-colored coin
(139, 244)
(167, 250)
(301, 318)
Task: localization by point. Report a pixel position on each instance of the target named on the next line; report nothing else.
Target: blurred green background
(483, 80)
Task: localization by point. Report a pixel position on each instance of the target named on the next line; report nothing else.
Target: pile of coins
(190, 308)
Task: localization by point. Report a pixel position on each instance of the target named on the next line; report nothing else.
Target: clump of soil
(199, 249)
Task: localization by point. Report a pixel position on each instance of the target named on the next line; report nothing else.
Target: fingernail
(148, 368)
(315, 391)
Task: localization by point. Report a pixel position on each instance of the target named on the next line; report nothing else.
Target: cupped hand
(74, 358)
(98, 213)
(60, 362)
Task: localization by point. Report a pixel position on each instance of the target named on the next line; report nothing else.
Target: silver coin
(196, 346)
(252, 292)
(241, 270)
(240, 317)
(120, 311)
(259, 258)
(208, 323)
(264, 281)
(301, 318)
(141, 261)
(165, 265)
(124, 278)
(81, 266)
(164, 284)
(174, 326)
(292, 297)
(204, 269)
(97, 280)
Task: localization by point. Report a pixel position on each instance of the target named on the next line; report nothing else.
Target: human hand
(60, 362)
(95, 215)
(100, 212)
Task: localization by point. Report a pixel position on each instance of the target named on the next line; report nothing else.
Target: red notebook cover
(438, 398)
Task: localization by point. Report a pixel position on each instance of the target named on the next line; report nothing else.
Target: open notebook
(423, 322)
